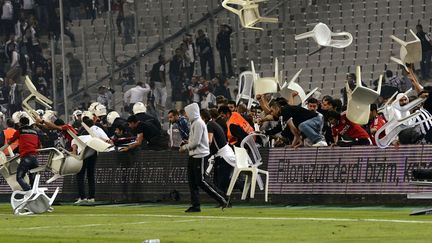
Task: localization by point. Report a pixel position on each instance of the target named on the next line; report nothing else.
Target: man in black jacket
(205, 54)
(223, 45)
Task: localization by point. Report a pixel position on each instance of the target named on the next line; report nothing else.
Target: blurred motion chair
(410, 52)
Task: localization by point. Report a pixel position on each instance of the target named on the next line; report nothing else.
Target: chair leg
(253, 183)
(305, 35)
(233, 181)
(266, 187)
(246, 188)
(268, 20)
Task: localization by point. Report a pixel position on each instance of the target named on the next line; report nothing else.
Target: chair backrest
(322, 34)
(266, 85)
(249, 143)
(245, 85)
(242, 158)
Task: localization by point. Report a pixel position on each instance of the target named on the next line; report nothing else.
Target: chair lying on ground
(248, 12)
(360, 99)
(323, 36)
(244, 163)
(34, 201)
(410, 52)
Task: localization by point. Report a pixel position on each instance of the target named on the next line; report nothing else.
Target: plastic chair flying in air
(360, 99)
(291, 86)
(410, 52)
(323, 36)
(36, 96)
(248, 12)
(267, 85)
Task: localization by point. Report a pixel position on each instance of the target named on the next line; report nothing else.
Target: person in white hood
(198, 147)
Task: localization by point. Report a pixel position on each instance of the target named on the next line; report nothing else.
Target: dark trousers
(196, 178)
(27, 163)
(191, 70)
(89, 166)
(204, 60)
(75, 81)
(225, 56)
(425, 64)
(222, 174)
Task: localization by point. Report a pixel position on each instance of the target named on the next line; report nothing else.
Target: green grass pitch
(169, 223)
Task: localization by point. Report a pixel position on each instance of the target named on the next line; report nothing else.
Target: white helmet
(92, 107)
(112, 116)
(19, 114)
(40, 112)
(87, 114)
(2, 116)
(100, 110)
(49, 116)
(139, 107)
(75, 114)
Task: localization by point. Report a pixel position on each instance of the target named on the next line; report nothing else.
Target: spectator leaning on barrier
(237, 127)
(198, 147)
(147, 135)
(353, 133)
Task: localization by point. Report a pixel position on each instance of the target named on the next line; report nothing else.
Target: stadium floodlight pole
(63, 62)
(112, 49)
(54, 74)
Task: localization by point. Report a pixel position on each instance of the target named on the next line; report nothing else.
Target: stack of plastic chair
(267, 85)
(292, 86)
(410, 52)
(244, 163)
(8, 168)
(323, 36)
(360, 99)
(248, 12)
(34, 201)
(246, 82)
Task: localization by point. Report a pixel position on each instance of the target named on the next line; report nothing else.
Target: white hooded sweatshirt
(198, 144)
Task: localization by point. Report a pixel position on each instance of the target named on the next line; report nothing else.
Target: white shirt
(99, 133)
(190, 53)
(136, 94)
(84, 139)
(7, 11)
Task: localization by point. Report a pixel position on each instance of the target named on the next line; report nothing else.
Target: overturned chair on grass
(249, 165)
(34, 201)
(248, 12)
(62, 162)
(360, 99)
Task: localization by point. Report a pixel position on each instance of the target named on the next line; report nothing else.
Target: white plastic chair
(248, 13)
(410, 52)
(8, 168)
(95, 143)
(36, 96)
(243, 165)
(267, 85)
(322, 35)
(360, 99)
(246, 82)
(34, 201)
(393, 127)
(291, 86)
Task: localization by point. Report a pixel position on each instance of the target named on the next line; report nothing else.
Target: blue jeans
(312, 129)
(425, 64)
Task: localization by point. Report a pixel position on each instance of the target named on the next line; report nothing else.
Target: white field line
(198, 217)
(93, 225)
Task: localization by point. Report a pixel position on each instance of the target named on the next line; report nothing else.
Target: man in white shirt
(135, 94)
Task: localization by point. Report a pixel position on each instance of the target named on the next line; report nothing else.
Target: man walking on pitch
(198, 147)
